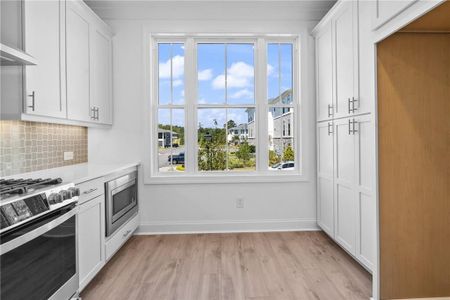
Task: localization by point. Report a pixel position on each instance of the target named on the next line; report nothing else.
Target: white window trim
(151, 174)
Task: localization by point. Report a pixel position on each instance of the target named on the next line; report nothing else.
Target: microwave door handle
(29, 236)
(122, 187)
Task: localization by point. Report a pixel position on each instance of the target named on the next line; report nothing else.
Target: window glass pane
(212, 139)
(286, 73)
(211, 73)
(171, 73)
(178, 73)
(281, 138)
(171, 152)
(279, 73)
(164, 63)
(273, 73)
(241, 147)
(240, 74)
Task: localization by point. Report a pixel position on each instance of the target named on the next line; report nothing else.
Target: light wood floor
(256, 266)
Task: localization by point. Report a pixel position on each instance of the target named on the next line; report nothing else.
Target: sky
(211, 67)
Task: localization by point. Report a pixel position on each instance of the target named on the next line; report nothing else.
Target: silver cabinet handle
(354, 108)
(33, 96)
(330, 110)
(92, 113)
(330, 128)
(89, 191)
(126, 233)
(354, 130)
(349, 126)
(97, 112)
(349, 105)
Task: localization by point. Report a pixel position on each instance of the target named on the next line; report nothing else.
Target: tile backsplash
(30, 146)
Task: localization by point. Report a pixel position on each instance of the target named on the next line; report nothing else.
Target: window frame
(190, 106)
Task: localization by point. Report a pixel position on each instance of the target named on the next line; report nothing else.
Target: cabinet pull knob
(33, 96)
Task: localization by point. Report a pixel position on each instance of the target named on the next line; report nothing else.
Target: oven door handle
(29, 236)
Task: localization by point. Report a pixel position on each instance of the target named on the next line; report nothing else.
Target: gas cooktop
(24, 200)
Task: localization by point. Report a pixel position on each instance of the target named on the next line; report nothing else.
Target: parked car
(287, 165)
(176, 158)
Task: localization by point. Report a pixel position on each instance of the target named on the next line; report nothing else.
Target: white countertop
(78, 173)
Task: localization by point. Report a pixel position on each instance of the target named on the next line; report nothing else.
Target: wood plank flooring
(234, 266)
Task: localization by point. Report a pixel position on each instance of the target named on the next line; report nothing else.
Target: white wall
(205, 207)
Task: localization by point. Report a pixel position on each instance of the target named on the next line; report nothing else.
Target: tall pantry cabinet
(346, 208)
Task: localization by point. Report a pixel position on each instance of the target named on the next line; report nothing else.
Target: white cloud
(245, 93)
(269, 69)
(177, 67)
(177, 82)
(205, 74)
(239, 75)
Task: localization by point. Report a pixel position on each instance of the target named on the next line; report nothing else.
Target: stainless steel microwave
(121, 201)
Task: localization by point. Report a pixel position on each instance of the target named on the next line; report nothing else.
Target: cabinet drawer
(121, 236)
(91, 189)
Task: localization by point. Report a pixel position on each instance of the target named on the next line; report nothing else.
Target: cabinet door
(77, 49)
(385, 10)
(346, 58)
(345, 201)
(325, 205)
(101, 94)
(364, 189)
(91, 239)
(44, 40)
(324, 69)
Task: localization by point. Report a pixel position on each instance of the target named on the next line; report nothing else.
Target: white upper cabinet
(78, 60)
(71, 82)
(346, 58)
(324, 73)
(89, 96)
(44, 40)
(101, 81)
(385, 10)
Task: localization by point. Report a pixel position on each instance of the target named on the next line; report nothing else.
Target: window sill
(225, 179)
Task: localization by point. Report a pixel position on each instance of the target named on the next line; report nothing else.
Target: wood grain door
(414, 165)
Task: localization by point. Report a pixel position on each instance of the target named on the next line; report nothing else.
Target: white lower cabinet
(346, 202)
(91, 239)
(122, 234)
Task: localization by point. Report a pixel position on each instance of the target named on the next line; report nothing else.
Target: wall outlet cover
(240, 203)
(68, 155)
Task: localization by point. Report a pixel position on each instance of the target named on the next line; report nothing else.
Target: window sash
(191, 106)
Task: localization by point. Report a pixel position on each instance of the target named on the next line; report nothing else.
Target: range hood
(14, 57)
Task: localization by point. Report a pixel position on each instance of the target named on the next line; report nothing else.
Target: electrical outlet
(240, 202)
(68, 155)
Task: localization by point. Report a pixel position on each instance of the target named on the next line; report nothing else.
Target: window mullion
(190, 111)
(261, 106)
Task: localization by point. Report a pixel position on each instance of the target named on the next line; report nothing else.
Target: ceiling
(307, 10)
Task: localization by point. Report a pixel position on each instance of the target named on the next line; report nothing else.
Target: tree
(244, 153)
(231, 124)
(273, 158)
(288, 153)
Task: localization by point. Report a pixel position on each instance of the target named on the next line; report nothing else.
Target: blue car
(176, 158)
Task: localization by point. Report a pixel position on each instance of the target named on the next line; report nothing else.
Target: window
(209, 102)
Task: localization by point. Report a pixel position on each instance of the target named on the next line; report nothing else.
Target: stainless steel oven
(121, 201)
(39, 258)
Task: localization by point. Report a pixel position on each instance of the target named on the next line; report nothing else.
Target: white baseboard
(225, 226)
